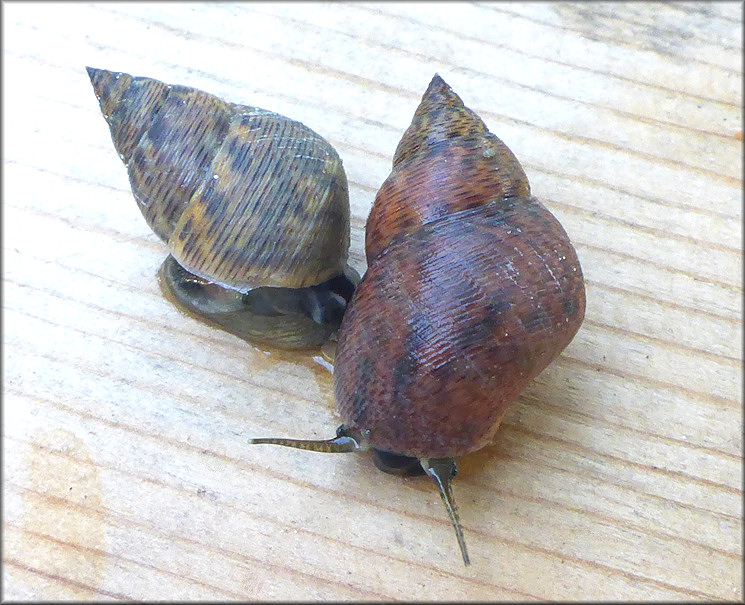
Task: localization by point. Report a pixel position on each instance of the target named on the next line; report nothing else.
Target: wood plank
(618, 473)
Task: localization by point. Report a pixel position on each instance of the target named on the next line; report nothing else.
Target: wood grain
(618, 474)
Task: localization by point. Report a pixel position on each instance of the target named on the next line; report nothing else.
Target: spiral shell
(472, 289)
(244, 198)
(196, 162)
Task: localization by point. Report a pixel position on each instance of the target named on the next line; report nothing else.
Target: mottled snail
(472, 289)
(253, 206)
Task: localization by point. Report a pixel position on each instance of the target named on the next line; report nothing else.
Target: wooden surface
(618, 474)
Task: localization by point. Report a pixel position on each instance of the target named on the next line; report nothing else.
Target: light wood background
(618, 474)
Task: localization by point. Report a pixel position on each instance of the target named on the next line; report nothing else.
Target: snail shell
(253, 206)
(472, 289)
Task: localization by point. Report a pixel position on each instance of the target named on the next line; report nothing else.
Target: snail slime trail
(472, 289)
(253, 206)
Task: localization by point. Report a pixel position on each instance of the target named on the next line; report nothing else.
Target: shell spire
(125, 104)
(445, 139)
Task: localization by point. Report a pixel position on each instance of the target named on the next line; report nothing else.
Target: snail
(472, 289)
(253, 206)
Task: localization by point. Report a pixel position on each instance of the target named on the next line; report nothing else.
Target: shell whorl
(243, 196)
(445, 139)
(472, 289)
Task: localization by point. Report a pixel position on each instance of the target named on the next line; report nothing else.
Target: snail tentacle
(442, 471)
(344, 442)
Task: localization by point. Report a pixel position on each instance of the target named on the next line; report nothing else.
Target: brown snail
(472, 289)
(254, 207)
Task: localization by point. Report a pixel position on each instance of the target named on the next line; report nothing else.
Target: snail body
(253, 206)
(472, 289)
